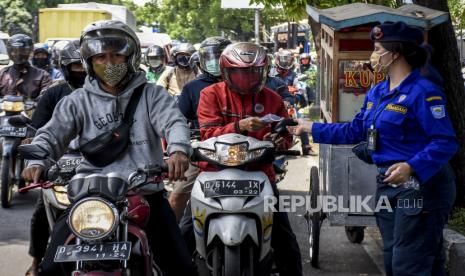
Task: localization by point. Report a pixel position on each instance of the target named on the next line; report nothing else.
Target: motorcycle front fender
(232, 229)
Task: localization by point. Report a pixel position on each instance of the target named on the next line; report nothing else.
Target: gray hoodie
(90, 111)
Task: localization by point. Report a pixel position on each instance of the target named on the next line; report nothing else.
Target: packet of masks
(271, 118)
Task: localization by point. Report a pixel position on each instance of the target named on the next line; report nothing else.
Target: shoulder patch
(369, 105)
(397, 108)
(434, 98)
(438, 111)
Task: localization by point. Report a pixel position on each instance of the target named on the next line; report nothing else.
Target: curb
(454, 246)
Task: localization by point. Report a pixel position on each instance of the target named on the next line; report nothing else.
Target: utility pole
(257, 26)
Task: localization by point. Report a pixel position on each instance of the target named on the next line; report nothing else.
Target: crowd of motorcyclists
(103, 68)
(118, 116)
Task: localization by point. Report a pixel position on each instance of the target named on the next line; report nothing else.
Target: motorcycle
(107, 219)
(232, 227)
(11, 137)
(56, 198)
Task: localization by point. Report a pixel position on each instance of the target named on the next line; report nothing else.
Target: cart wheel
(355, 234)
(314, 219)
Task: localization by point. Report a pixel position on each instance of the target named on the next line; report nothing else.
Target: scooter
(107, 219)
(232, 226)
(11, 137)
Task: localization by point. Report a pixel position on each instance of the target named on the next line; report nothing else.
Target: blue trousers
(412, 232)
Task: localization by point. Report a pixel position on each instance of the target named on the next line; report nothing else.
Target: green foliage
(457, 13)
(15, 18)
(194, 20)
(457, 220)
(295, 9)
(146, 15)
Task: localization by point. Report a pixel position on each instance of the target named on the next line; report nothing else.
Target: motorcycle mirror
(19, 121)
(32, 152)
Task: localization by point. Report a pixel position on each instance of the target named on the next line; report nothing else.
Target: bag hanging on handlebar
(105, 148)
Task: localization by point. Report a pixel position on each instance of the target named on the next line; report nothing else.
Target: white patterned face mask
(111, 74)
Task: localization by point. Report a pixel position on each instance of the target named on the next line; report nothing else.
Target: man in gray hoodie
(111, 56)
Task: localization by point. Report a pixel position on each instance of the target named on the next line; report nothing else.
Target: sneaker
(32, 271)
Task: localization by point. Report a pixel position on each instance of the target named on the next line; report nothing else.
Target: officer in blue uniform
(409, 137)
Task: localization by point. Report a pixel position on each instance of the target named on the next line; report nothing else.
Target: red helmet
(244, 67)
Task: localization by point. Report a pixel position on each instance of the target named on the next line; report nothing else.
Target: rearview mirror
(32, 152)
(19, 121)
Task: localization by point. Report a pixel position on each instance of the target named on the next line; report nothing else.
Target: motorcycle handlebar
(42, 185)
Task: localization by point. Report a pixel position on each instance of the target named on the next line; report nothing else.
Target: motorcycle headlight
(93, 219)
(61, 195)
(12, 106)
(232, 155)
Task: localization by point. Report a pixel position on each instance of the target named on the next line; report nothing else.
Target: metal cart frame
(344, 79)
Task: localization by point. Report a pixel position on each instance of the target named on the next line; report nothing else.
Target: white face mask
(375, 61)
(213, 67)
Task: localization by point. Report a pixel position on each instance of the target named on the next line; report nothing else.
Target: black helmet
(68, 55)
(101, 36)
(182, 48)
(42, 49)
(194, 61)
(155, 54)
(209, 53)
(19, 47)
(42, 63)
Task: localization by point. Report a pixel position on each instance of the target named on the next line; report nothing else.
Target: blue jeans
(412, 233)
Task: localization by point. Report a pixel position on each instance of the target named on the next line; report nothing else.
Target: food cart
(344, 79)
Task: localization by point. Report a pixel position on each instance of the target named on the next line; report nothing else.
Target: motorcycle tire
(355, 234)
(6, 182)
(232, 260)
(314, 219)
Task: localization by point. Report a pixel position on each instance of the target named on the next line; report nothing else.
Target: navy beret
(397, 32)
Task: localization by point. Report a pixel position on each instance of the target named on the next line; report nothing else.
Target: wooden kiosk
(344, 79)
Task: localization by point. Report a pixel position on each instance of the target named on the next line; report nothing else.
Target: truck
(117, 12)
(67, 21)
(66, 24)
(4, 59)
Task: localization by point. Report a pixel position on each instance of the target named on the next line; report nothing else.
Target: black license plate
(93, 252)
(220, 188)
(8, 130)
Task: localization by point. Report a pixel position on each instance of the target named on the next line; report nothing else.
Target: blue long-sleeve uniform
(412, 125)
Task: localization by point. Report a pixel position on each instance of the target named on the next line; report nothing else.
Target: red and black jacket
(221, 109)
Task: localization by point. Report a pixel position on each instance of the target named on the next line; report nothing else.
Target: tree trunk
(446, 60)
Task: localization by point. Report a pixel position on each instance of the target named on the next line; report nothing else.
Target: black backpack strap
(132, 105)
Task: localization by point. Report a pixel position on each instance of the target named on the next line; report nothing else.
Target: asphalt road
(337, 255)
